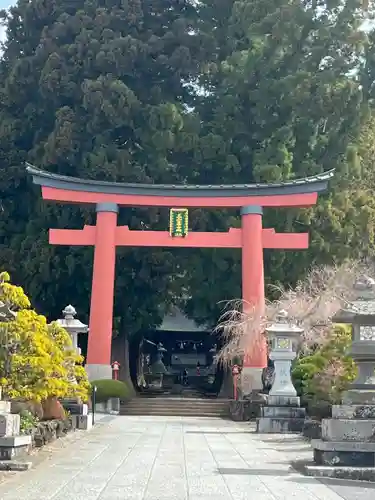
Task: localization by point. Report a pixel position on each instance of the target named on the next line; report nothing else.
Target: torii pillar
(253, 295)
(102, 293)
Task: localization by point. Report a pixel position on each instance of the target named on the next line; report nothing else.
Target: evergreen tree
(93, 89)
(284, 99)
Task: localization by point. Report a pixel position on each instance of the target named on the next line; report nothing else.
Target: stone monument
(282, 412)
(347, 446)
(75, 327)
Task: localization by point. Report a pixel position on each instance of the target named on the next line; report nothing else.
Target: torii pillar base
(98, 372)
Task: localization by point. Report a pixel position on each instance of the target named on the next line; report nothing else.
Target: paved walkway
(170, 458)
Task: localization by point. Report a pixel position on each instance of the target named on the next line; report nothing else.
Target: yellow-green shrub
(44, 362)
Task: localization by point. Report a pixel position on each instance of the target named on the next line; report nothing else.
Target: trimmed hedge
(108, 388)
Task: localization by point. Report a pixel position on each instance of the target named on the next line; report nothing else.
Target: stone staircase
(180, 406)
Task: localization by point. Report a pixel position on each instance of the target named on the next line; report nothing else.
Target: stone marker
(347, 447)
(283, 413)
(11, 443)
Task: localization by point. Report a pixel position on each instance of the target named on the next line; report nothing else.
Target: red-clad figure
(198, 369)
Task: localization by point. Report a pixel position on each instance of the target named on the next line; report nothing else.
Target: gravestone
(282, 412)
(347, 446)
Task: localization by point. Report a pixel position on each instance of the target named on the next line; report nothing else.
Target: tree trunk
(120, 353)
(226, 390)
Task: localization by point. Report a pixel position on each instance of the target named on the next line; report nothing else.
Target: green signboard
(178, 222)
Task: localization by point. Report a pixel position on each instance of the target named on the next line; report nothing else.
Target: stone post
(282, 414)
(347, 447)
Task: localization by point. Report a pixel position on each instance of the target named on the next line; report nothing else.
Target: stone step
(279, 425)
(353, 411)
(344, 453)
(338, 472)
(348, 430)
(174, 404)
(352, 446)
(179, 398)
(175, 407)
(172, 413)
(282, 411)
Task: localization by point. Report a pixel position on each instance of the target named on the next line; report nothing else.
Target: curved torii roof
(115, 191)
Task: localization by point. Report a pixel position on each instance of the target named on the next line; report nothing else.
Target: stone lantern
(361, 315)
(75, 327)
(282, 412)
(347, 447)
(72, 325)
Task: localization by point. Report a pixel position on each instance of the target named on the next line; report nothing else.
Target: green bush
(107, 389)
(321, 377)
(28, 421)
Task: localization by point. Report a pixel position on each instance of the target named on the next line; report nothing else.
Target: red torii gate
(106, 235)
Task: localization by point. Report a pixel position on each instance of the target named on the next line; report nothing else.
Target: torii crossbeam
(106, 235)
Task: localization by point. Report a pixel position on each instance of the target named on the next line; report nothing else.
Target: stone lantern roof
(283, 326)
(70, 323)
(362, 308)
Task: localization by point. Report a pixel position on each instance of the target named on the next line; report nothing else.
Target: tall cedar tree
(284, 99)
(104, 90)
(93, 89)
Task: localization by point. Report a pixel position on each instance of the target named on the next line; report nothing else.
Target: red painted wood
(253, 284)
(290, 200)
(230, 239)
(102, 290)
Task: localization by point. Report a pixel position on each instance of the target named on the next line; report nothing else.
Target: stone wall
(50, 430)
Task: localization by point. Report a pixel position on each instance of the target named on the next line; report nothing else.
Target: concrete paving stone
(174, 458)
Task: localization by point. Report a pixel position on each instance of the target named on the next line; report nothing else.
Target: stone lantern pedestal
(283, 413)
(347, 447)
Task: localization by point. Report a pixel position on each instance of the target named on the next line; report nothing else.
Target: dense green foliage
(321, 377)
(286, 100)
(165, 91)
(106, 389)
(28, 422)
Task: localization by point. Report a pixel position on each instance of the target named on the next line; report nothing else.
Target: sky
(3, 5)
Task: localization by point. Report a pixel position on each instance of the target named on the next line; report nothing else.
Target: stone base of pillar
(347, 448)
(98, 372)
(251, 380)
(281, 415)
